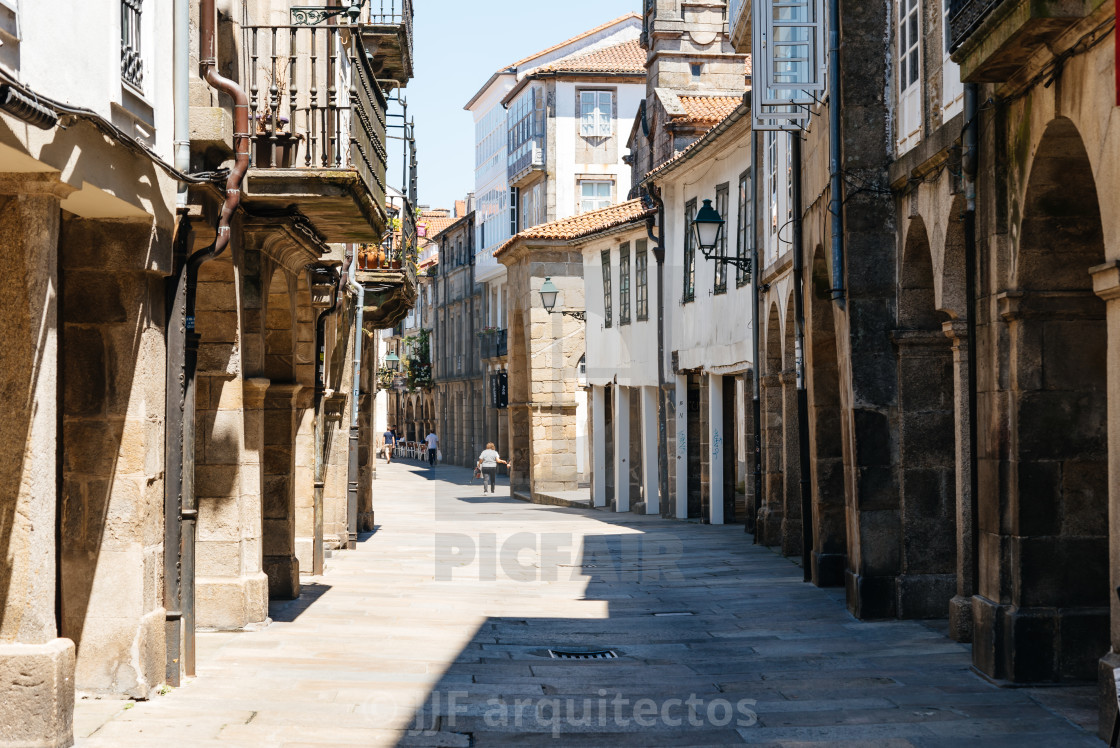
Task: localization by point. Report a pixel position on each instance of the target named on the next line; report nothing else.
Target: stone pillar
(599, 447)
(1106, 284)
(791, 467)
(114, 356)
(621, 449)
(36, 667)
(278, 472)
(303, 479)
(715, 449)
(681, 449)
(773, 487)
(649, 450)
(231, 589)
(960, 607)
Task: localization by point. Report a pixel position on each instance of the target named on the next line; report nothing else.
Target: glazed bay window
(641, 279)
(744, 228)
(132, 68)
(689, 292)
(606, 287)
(594, 194)
(721, 247)
(909, 74)
(624, 284)
(595, 114)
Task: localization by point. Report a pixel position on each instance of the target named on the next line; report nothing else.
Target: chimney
(460, 208)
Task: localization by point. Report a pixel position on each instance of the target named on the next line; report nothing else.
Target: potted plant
(271, 123)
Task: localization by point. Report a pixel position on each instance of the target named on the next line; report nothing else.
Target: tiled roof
(575, 38)
(436, 224)
(707, 110)
(627, 57)
(575, 227)
(711, 133)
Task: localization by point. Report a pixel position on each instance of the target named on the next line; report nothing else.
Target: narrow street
(436, 631)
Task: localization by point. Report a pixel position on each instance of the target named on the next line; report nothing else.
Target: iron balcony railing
(314, 103)
(393, 13)
(494, 344)
(132, 68)
(965, 16)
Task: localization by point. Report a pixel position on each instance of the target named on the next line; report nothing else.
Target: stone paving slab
(435, 631)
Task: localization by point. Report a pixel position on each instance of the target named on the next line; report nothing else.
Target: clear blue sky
(458, 46)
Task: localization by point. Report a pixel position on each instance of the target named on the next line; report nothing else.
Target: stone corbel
(1106, 280)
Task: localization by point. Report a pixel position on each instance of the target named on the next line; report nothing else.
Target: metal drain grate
(588, 654)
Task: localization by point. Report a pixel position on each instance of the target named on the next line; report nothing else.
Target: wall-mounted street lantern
(549, 292)
(708, 227)
(393, 362)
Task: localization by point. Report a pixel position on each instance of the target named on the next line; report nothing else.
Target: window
(594, 195)
(624, 284)
(909, 62)
(132, 68)
(595, 114)
(689, 274)
(514, 227)
(952, 89)
(607, 287)
(697, 70)
(772, 194)
(721, 248)
(744, 228)
(641, 278)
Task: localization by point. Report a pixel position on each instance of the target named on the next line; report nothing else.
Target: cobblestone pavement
(436, 631)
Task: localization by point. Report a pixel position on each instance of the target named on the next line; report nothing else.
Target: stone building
(465, 423)
(172, 459)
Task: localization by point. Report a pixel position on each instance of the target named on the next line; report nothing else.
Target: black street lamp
(549, 292)
(708, 227)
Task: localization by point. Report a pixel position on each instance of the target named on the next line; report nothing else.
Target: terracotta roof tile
(575, 227)
(700, 142)
(575, 38)
(707, 110)
(435, 224)
(627, 57)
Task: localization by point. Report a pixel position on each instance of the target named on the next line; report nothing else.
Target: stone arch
(948, 264)
(927, 438)
(826, 444)
(1053, 610)
(773, 452)
(279, 328)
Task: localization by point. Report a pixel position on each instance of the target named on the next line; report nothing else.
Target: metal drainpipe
(756, 401)
(834, 152)
(662, 426)
(970, 163)
(320, 429)
(182, 15)
(352, 469)
(799, 362)
(182, 353)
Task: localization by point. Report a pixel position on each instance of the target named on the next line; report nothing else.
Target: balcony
(387, 271)
(526, 164)
(317, 129)
(493, 344)
(739, 25)
(992, 39)
(386, 33)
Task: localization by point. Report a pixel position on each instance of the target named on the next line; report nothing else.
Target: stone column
(773, 487)
(599, 447)
(960, 607)
(303, 479)
(715, 450)
(621, 449)
(791, 467)
(278, 472)
(36, 667)
(681, 449)
(649, 450)
(1106, 284)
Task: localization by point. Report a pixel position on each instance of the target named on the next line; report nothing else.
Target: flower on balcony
(487, 331)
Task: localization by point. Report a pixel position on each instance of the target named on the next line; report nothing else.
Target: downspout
(756, 393)
(182, 366)
(799, 363)
(662, 426)
(182, 96)
(352, 468)
(320, 429)
(834, 152)
(970, 161)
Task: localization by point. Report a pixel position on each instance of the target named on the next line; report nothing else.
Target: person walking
(488, 464)
(390, 442)
(433, 447)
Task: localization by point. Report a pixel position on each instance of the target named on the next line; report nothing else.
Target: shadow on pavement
(286, 611)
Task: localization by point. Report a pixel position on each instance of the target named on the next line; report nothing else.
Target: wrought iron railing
(493, 343)
(314, 103)
(965, 16)
(132, 68)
